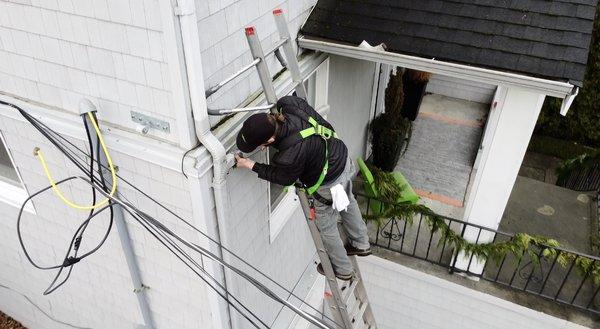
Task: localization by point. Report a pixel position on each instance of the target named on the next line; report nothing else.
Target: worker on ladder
(309, 151)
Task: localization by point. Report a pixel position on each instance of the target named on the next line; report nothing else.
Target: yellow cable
(58, 192)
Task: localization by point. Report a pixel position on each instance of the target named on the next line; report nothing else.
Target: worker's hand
(242, 162)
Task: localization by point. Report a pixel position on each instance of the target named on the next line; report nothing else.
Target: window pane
(7, 170)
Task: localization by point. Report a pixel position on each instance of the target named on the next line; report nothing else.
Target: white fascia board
(70, 125)
(543, 86)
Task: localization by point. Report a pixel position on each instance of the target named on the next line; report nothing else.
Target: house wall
(510, 126)
(99, 292)
(460, 88)
(405, 298)
(110, 51)
(224, 46)
(350, 93)
(247, 228)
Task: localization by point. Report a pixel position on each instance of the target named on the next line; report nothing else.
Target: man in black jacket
(310, 152)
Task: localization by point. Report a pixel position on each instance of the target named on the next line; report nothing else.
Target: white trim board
(12, 194)
(472, 73)
(159, 153)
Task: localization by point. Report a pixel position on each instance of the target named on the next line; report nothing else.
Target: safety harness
(315, 129)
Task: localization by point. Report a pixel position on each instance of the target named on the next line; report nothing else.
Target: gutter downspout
(186, 11)
(568, 100)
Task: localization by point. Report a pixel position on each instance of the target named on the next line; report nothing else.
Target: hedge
(582, 123)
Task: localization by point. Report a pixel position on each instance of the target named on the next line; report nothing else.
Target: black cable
(291, 294)
(79, 235)
(40, 309)
(183, 158)
(68, 261)
(156, 233)
(265, 290)
(68, 153)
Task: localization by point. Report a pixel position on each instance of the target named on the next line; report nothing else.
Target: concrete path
(441, 153)
(535, 207)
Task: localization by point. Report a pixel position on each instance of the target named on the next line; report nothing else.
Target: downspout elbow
(568, 101)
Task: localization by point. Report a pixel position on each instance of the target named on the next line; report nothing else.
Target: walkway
(442, 150)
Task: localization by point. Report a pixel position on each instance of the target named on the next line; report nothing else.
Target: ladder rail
(361, 315)
(290, 62)
(339, 310)
(288, 49)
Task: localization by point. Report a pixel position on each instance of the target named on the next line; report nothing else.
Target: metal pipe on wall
(190, 42)
(86, 106)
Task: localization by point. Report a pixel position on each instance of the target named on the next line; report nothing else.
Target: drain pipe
(86, 106)
(186, 11)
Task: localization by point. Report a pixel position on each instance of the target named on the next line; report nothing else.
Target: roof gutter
(185, 21)
(559, 89)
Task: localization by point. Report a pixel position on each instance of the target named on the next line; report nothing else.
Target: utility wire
(59, 145)
(162, 237)
(45, 130)
(205, 252)
(289, 292)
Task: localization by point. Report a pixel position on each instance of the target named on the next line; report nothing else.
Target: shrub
(390, 131)
(582, 123)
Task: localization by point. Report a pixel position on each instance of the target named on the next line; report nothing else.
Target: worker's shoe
(352, 251)
(344, 277)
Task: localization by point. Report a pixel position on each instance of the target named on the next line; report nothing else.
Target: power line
(75, 159)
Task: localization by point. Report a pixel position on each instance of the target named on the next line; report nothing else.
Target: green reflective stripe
(307, 132)
(315, 187)
(312, 121)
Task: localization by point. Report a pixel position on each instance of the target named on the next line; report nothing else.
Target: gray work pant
(327, 219)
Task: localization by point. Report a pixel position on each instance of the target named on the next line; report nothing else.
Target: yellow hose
(37, 152)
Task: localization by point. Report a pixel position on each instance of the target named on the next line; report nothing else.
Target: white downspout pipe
(186, 11)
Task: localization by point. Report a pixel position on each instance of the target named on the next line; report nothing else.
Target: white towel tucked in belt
(339, 198)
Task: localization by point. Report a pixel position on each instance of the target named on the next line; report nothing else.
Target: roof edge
(473, 73)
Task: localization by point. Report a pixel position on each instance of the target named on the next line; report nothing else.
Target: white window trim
(11, 194)
(289, 204)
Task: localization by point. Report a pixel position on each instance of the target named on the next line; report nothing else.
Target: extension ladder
(347, 300)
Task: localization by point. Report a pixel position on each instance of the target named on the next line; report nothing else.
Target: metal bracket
(150, 122)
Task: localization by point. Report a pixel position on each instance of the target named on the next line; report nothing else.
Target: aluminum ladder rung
(358, 311)
(347, 302)
(285, 44)
(349, 290)
(338, 300)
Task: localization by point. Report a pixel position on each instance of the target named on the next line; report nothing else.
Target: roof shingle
(543, 38)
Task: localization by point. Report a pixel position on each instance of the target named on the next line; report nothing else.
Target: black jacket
(303, 161)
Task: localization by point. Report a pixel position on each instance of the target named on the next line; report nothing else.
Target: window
(283, 201)
(12, 190)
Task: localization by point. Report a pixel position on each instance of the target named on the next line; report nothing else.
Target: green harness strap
(326, 134)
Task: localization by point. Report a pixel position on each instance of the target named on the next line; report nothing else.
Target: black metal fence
(557, 276)
(583, 178)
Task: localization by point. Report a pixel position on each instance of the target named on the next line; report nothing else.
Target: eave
(553, 88)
